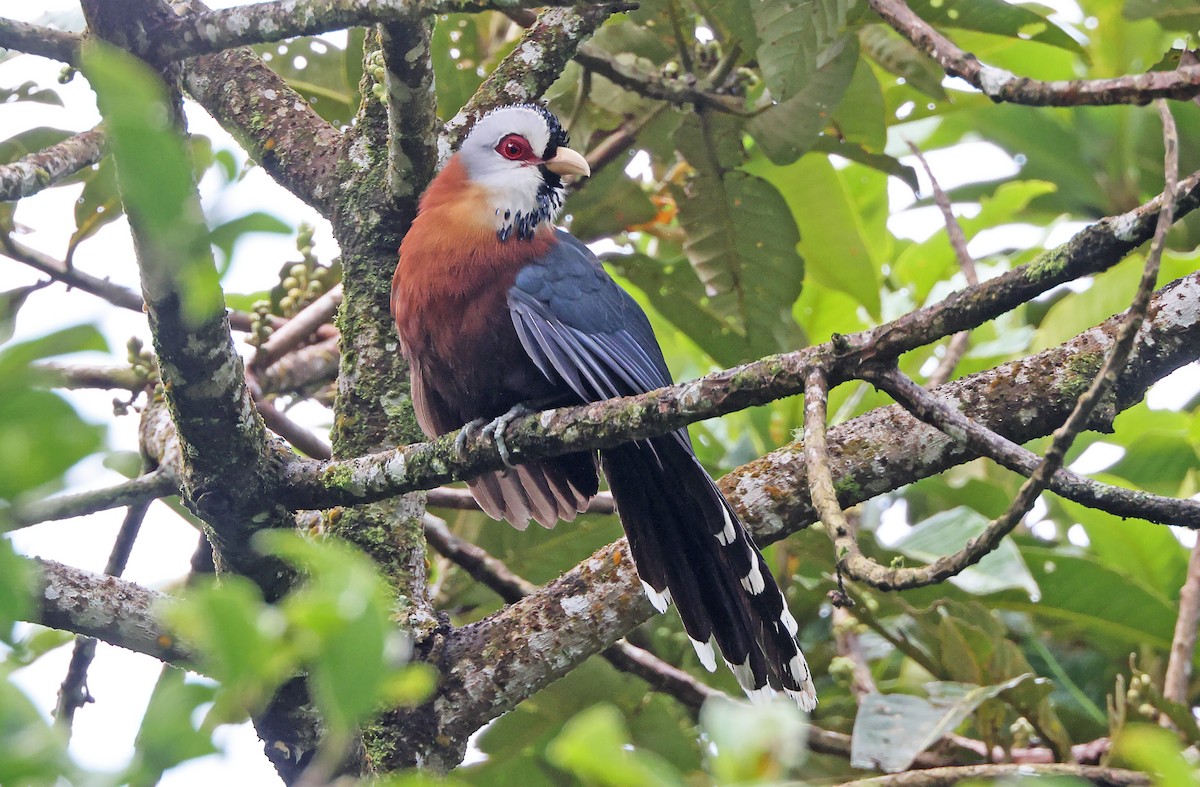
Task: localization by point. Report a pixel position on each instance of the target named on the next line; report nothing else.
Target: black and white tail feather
(586, 334)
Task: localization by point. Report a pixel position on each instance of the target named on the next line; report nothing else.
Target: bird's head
(518, 154)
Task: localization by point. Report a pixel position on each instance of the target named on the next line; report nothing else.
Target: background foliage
(744, 231)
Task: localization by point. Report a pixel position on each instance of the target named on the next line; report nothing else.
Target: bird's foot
(466, 433)
(495, 430)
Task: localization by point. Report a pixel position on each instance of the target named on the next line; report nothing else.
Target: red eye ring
(515, 147)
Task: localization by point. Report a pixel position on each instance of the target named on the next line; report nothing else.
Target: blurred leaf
(341, 623)
(31, 751)
(947, 532)
(240, 641)
(594, 747)
(608, 204)
(788, 129)
(457, 75)
(168, 735)
(155, 177)
(16, 584)
(29, 141)
(29, 91)
(11, 302)
(318, 71)
(40, 437)
(754, 743)
(896, 55)
(890, 730)
(1156, 751)
(997, 18)
(1181, 15)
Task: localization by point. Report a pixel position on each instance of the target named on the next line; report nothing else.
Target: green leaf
(859, 118)
(457, 77)
(11, 302)
(1149, 552)
(156, 182)
(240, 641)
(29, 91)
(340, 621)
(754, 743)
(998, 18)
(796, 37)
(1131, 616)
(595, 748)
(839, 241)
(890, 730)
(227, 235)
(790, 128)
(99, 203)
(31, 751)
(1181, 15)
(740, 237)
(948, 531)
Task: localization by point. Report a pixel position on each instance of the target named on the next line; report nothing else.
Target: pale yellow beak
(568, 162)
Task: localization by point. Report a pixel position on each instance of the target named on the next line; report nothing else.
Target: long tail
(689, 547)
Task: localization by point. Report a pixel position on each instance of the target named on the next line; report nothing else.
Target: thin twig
(1117, 500)
(1183, 643)
(73, 694)
(152, 485)
(850, 558)
(936, 777)
(1000, 85)
(299, 328)
(957, 347)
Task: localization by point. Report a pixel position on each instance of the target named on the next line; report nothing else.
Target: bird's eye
(514, 147)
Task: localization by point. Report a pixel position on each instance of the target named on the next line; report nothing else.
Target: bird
(500, 314)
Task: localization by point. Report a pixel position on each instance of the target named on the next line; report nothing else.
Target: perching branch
(380, 475)
(29, 175)
(999, 85)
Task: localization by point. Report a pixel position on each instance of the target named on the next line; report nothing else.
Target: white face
(503, 153)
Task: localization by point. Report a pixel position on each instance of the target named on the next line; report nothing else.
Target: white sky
(121, 681)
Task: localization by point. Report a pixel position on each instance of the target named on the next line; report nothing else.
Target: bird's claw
(495, 430)
(492, 429)
(466, 433)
